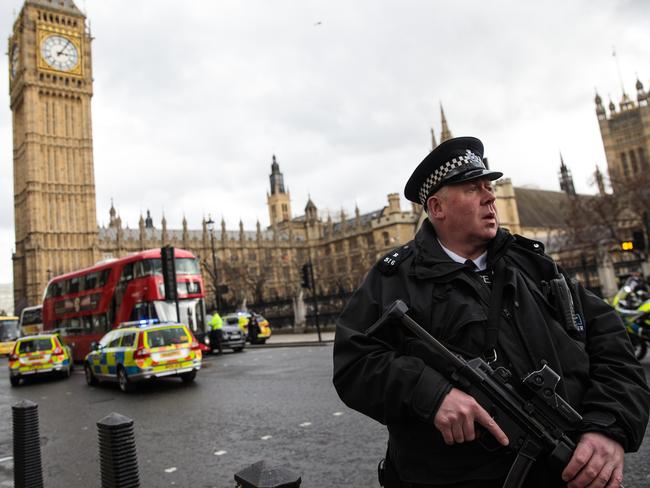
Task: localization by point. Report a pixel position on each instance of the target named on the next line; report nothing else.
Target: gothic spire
(445, 133)
(566, 180)
(276, 178)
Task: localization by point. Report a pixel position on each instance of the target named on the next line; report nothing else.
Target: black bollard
(28, 471)
(117, 455)
(261, 475)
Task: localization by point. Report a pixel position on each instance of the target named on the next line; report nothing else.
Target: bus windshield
(187, 266)
(184, 266)
(9, 330)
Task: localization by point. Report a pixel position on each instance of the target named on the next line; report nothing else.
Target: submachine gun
(533, 416)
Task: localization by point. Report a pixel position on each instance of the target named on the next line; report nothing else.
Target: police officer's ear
(434, 206)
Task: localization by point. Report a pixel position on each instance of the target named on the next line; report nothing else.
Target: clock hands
(63, 48)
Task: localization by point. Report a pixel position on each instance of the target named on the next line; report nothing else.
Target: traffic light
(305, 282)
(169, 272)
(627, 246)
(638, 240)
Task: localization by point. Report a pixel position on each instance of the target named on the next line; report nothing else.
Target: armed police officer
(483, 293)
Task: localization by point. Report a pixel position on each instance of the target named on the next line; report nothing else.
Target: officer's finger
(616, 480)
(483, 418)
(457, 431)
(447, 435)
(468, 430)
(580, 458)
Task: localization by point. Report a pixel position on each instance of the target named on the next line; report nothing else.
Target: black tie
(471, 264)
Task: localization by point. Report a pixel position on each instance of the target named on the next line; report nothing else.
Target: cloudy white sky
(192, 98)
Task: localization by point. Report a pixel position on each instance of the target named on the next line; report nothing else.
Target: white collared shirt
(480, 262)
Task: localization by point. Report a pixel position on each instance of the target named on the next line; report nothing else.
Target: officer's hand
(597, 461)
(456, 416)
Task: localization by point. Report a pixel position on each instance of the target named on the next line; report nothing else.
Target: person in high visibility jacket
(242, 322)
(216, 332)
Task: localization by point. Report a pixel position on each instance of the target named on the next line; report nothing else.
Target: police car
(242, 319)
(137, 351)
(38, 355)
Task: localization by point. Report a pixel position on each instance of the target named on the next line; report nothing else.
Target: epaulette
(531, 245)
(389, 264)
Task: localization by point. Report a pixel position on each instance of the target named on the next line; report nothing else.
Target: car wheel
(14, 380)
(123, 380)
(188, 377)
(90, 377)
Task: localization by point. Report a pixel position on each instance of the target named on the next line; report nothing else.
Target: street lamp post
(217, 302)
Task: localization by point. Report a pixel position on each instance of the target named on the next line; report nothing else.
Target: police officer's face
(465, 213)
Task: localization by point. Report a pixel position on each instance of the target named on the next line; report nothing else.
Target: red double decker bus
(85, 304)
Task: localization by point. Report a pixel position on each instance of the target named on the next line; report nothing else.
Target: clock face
(15, 51)
(59, 52)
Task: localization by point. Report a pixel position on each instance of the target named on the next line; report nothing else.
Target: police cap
(453, 161)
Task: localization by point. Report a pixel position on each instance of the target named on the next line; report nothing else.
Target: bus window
(31, 320)
(187, 266)
(103, 277)
(99, 324)
(90, 281)
(54, 290)
(143, 310)
(138, 271)
(127, 272)
(74, 285)
(9, 330)
(151, 267)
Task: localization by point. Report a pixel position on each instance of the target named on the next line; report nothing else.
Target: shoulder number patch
(391, 261)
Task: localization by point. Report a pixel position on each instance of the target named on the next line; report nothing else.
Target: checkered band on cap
(467, 159)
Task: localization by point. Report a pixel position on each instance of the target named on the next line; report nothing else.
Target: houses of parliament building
(51, 86)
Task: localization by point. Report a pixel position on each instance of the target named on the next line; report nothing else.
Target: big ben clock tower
(54, 185)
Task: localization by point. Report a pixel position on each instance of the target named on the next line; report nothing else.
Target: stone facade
(626, 136)
(264, 264)
(54, 189)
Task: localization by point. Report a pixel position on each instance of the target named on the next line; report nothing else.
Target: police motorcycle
(632, 302)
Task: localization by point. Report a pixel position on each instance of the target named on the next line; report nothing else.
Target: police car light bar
(138, 323)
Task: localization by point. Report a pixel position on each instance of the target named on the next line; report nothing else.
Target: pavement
(289, 339)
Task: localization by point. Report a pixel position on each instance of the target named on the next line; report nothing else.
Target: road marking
(266, 437)
(170, 470)
(305, 424)
(337, 414)
(2, 460)
(220, 453)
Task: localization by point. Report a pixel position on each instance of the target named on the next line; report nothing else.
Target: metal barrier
(262, 475)
(117, 455)
(28, 471)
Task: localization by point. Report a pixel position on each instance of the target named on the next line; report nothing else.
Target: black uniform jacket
(388, 377)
